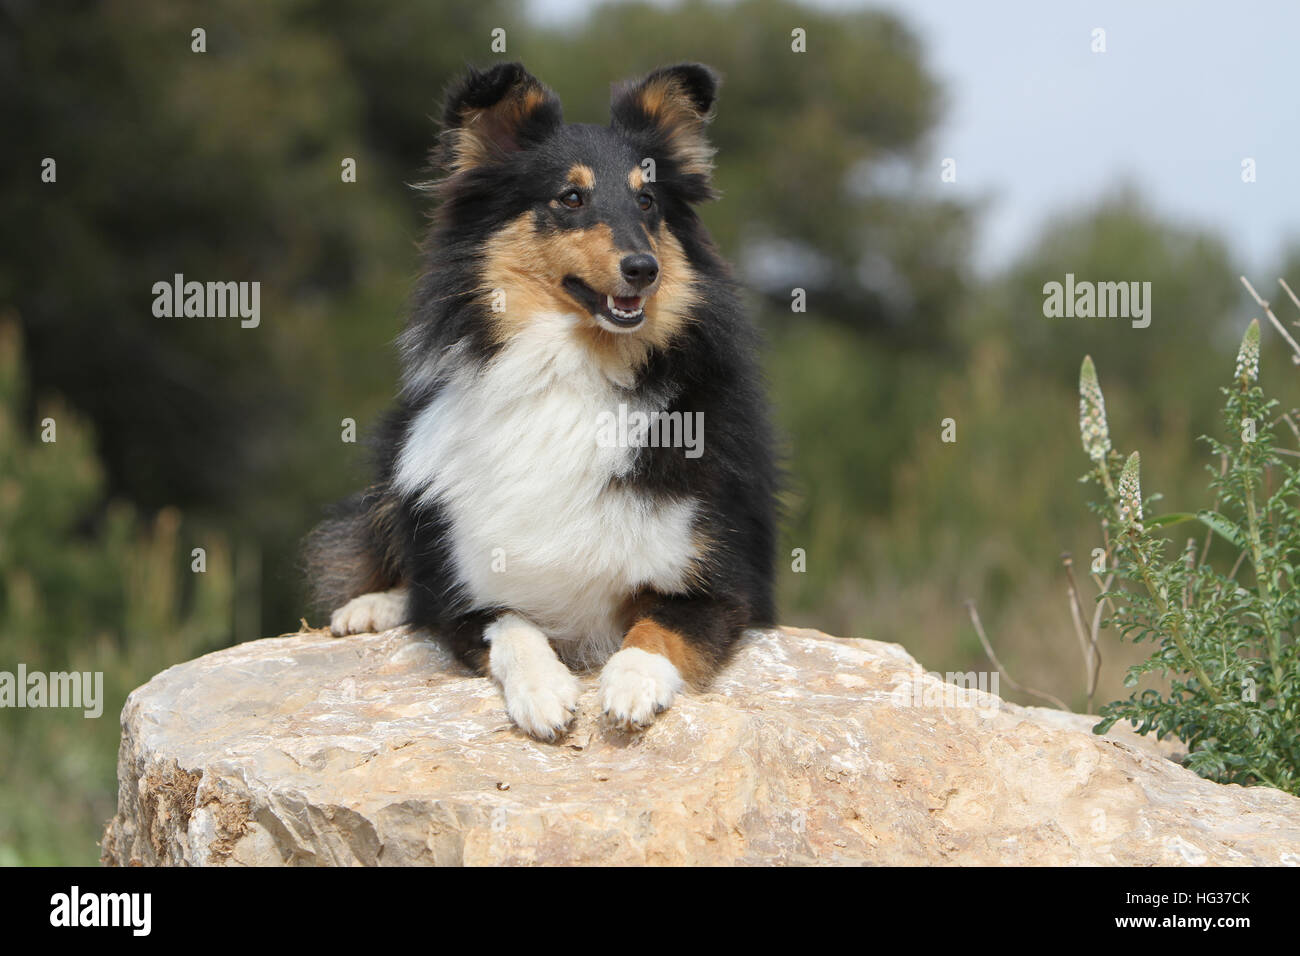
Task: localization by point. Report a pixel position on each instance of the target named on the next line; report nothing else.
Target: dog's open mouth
(622, 312)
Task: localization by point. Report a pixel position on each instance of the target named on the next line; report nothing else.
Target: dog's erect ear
(673, 104)
(494, 113)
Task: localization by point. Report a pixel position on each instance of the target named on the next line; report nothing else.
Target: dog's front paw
(541, 693)
(635, 685)
(543, 703)
(370, 613)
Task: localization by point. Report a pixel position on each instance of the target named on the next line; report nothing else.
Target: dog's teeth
(625, 314)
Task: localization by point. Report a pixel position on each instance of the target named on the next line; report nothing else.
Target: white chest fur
(511, 453)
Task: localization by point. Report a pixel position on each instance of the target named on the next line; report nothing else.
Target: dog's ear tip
(514, 71)
(499, 76)
(475, 88)
(707, 81)
(490, 113)
(702, 70)
(698, 81)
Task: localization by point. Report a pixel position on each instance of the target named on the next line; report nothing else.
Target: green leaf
(1222, 527)
(1177, 517)
(1104, 725)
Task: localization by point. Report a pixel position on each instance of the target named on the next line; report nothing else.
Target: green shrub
(86, 585)
(1226, 645)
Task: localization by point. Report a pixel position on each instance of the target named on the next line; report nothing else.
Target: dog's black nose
(640, 270)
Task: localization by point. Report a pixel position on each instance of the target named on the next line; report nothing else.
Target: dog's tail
(352, 552)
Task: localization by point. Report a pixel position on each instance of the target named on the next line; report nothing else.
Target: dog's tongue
(627, 303)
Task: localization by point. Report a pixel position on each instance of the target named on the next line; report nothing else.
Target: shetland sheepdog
(535, 500)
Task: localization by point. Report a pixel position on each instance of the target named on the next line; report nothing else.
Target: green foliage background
(175, 434)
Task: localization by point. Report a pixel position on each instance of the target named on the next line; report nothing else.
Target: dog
(569, 288)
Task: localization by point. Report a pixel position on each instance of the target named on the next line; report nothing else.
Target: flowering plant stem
(1227, 652)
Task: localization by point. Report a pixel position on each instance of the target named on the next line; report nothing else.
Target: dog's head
(579, 218)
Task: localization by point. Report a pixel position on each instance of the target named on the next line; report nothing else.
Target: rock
(378, 749)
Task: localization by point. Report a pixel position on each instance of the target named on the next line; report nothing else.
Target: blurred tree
(220, 165)
(399, 56)
(113, 595)
(1195, 295)
(987, 516)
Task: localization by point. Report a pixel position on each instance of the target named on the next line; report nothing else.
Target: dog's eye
(572, 199)
(645, 201)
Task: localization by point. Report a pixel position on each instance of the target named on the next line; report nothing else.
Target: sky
(1040, 125)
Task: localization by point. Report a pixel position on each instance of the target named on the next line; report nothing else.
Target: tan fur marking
(669, 309)
(582, 175)
(656, 95)
(534, 96)
(654, 638)
(530, 266)
(636, 179)
(476, 140)
(669, 106)
(467, 150)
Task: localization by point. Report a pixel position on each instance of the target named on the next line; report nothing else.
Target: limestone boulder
(378, 749)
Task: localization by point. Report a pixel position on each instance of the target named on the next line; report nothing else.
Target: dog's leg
(678, 641)
(541, 693)
(371, 613)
